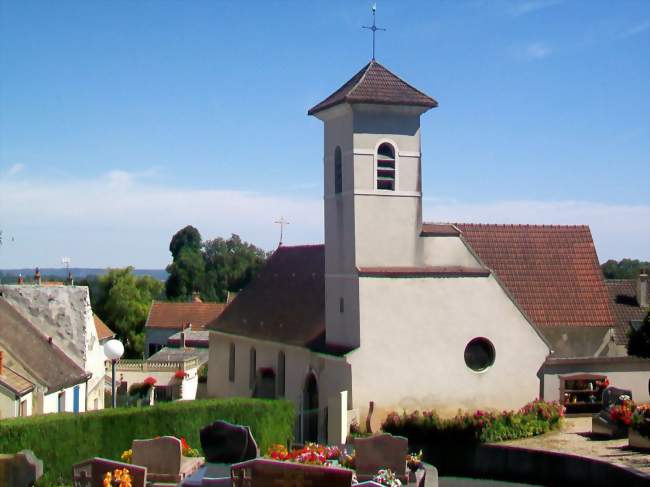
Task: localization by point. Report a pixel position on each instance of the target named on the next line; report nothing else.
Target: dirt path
(576, 438)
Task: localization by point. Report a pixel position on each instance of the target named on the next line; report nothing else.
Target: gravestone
(263, 472)
(90, 473)
(601, 423)
(611, 396)
(21, 469)
(223, 442)
(164, 459)
(381, 452)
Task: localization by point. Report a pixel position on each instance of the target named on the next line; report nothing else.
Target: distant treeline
(9, 276)
(624, 269)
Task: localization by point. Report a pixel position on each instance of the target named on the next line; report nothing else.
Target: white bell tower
(372, 187)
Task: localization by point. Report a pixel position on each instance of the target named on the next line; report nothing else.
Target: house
(36, 376)
(168, 318)
(63, 313)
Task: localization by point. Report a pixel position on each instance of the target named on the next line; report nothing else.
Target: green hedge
(62, 440)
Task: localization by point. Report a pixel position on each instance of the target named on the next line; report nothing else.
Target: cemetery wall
(421, 365)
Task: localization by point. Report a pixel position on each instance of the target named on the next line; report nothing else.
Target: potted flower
(117, 478)
(640, 428)
(387, 477)
(621, 417)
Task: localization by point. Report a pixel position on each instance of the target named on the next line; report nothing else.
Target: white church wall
(413, 337)
(332, 373)
(446, 251)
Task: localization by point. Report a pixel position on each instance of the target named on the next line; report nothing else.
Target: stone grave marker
(21, 469)
(90, 473)
(263, 472)
(611, 396)
(164, 459)
(223, 442)
(381, 452)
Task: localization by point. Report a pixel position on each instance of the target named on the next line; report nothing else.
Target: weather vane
(373, 28)
(282, 222)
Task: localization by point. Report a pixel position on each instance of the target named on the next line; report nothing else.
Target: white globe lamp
(113, 349)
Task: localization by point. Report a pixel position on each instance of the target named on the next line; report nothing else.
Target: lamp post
(113, 349)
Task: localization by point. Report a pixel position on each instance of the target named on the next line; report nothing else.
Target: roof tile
(177, 315)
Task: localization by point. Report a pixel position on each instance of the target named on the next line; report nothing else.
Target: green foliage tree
(623, 269)
(122, 301)
(211, 268)
(638, 343)
(186, 238)
(230, 264)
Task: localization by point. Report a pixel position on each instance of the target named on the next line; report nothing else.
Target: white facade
(66, 399)
(10, 404)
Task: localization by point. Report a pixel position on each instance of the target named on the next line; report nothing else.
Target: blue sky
(122, 121)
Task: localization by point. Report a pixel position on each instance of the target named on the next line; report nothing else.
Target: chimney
(21, 279)
(37, 277)
(182, 340)
(1, 361)
(642, 289)
(196, 297)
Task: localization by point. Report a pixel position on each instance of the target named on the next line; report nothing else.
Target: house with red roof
(393, 313)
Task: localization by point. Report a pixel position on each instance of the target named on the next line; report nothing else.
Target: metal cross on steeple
(282, 222)
(373, 28)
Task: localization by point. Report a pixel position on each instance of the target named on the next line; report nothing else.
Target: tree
(186, 274)
(638, 343)
(122, 301)
(624, 269)
(188, 237)
(231, 264)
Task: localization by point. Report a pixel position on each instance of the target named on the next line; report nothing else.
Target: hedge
(64, 439)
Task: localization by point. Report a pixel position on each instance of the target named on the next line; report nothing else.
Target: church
(402, 313)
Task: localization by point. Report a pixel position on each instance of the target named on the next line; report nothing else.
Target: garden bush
(64, 439)
(479, 427)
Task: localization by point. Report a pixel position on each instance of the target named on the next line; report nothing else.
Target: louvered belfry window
(386, 167)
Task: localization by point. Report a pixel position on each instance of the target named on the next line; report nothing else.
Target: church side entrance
(310, 409)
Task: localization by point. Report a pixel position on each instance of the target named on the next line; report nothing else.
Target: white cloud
(15, 169)
(120, 219)
(525, 7)
(537, 50)
(636, 29)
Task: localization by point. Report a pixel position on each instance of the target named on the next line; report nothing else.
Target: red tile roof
(103, 331)
(286, 301)
(551, 271)
(429, 271)
(626, 308)
(177, 315)
(375, 84)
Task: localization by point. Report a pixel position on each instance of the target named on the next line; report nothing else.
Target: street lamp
(113, 349)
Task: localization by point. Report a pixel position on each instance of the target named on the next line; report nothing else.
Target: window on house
(61, 402)
(338, 171)
(479, 354)
(341, 305)
(231, 363)
(23, 408)
(253, 368)
(281, 379)
(386, 167)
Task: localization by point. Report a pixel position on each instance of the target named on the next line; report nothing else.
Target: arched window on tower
(338, 171)
(386, 167)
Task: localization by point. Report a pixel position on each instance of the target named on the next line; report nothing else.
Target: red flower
(150, 381)
(184, 443)
(179, 374)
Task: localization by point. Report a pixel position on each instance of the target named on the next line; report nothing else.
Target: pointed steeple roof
(375, 84)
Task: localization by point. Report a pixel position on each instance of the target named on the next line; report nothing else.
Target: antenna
(66, 263)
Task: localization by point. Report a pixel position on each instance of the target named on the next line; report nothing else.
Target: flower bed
(640, 421)
(533, 419)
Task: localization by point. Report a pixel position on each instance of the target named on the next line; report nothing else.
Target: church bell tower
(372, 187)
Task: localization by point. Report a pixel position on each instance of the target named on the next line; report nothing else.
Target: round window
(479, 354)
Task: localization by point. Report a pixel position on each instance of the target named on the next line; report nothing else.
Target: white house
(63, 314)
(36, 376)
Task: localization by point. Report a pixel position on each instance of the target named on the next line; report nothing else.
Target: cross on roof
(282, 222)
(373, 28)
